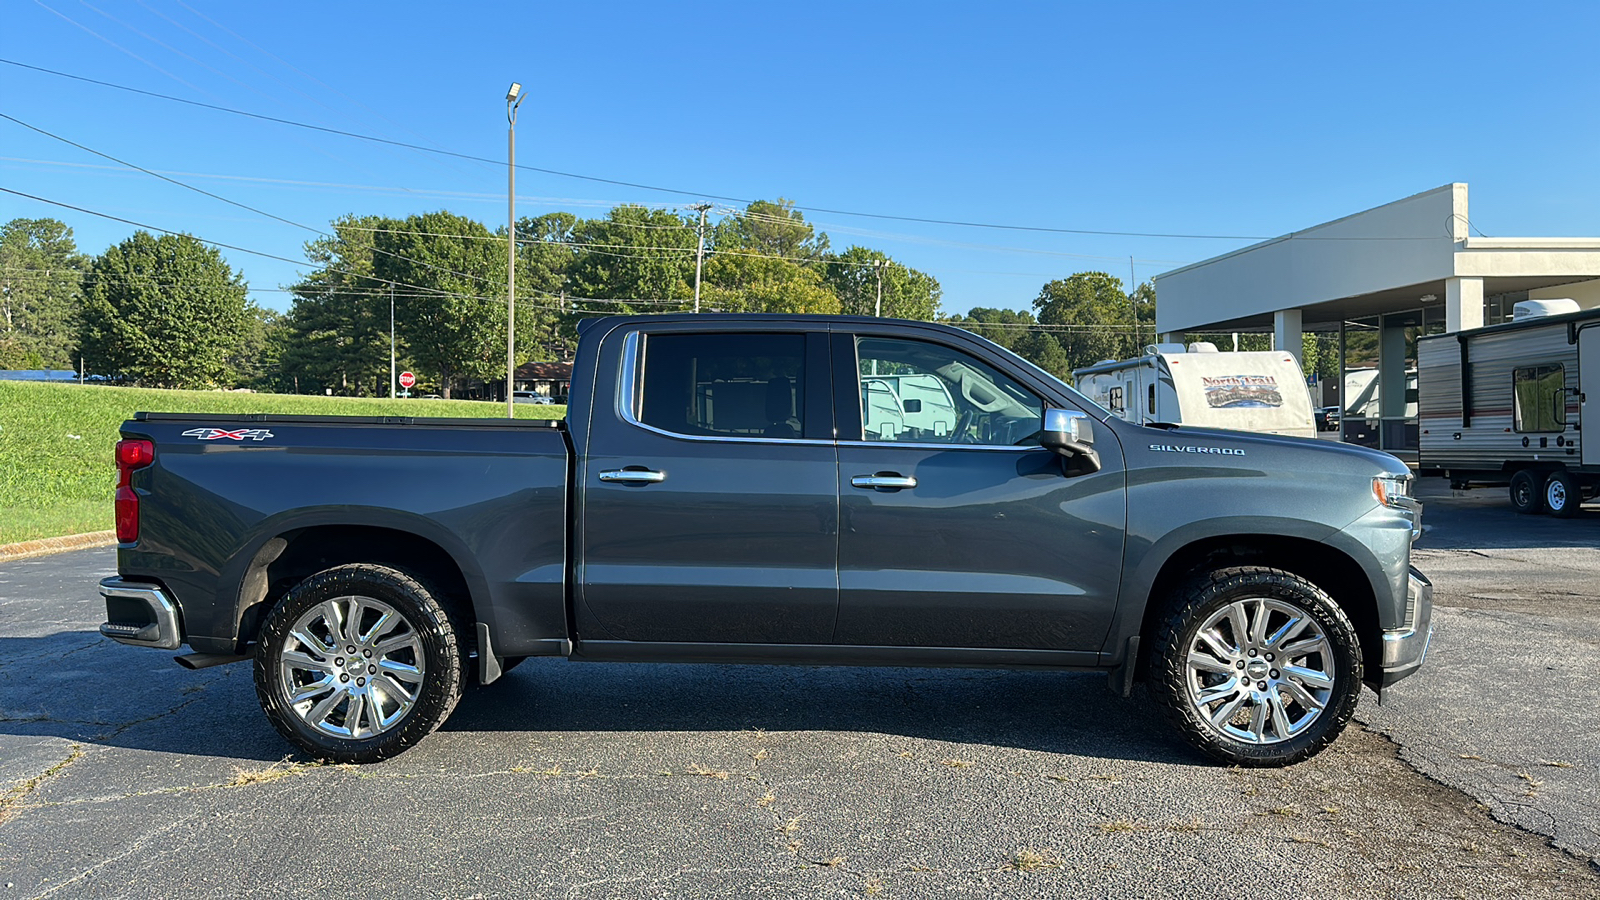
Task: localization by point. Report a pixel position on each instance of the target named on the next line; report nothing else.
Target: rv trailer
(1505, 405)
(1255, 390)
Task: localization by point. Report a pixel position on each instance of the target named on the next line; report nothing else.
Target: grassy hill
(56, 470)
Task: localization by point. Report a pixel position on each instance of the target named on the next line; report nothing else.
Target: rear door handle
(633, 476)
(887, 480)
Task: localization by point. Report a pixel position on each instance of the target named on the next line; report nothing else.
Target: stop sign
(407, 380)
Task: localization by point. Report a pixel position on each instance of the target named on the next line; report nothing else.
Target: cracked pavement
(123, 775)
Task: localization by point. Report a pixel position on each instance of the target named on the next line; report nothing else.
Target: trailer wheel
(1527, 497)
(1562, 494)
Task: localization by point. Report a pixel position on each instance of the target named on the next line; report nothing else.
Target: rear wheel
(1257, 666)
(1562, 495)
(358, 663)
(1527, 496)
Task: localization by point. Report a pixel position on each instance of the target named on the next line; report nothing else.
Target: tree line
(169, 311)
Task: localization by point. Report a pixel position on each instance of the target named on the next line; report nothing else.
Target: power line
(235, 203)
(632, 184)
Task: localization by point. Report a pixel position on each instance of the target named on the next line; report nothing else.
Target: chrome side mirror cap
(1070, 424)
(1071, 434)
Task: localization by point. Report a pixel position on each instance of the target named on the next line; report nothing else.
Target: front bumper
(140, 615)
(1405, 648)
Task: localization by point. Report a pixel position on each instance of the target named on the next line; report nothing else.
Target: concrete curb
(47, 546)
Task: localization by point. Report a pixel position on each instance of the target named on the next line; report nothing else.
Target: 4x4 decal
(240, 434)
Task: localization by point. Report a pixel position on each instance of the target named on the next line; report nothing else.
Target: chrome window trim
(627, 396)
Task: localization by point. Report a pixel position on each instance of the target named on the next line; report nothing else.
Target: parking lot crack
(12, 802)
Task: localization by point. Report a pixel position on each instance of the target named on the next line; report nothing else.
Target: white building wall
(1587, 293)
(1406, 242)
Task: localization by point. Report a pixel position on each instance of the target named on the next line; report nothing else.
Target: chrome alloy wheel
(1260, 671)
(351, 667)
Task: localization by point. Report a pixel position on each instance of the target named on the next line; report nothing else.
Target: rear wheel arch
(288, 558)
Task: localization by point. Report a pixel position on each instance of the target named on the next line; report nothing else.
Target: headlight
(1393, 490)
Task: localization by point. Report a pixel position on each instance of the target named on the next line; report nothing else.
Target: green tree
(255, 357)
(41, 272)
(1005, 327)
(454, 322)
(772, 229)
(757, 283)
(338, 329)
(907, 293)
(1094, 317)
(163, 311)
(635, 256)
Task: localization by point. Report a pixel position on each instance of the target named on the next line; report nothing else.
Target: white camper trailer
(1259, 390)
(1505, 404)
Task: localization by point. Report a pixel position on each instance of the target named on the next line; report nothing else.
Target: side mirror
(1071, 434)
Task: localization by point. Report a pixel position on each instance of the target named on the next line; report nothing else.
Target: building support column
(1286, 333)
(1392, 377)
(1463, 304)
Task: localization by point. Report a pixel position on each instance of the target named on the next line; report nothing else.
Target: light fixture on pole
(514, 98)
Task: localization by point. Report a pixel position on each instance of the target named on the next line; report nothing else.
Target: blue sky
(1210, 119)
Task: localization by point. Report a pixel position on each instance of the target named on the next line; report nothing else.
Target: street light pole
(391, 341)
(514, 98)
(700, 251)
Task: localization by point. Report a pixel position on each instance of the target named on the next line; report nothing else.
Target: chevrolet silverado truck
(772, 489)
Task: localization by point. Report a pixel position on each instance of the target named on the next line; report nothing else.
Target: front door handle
(633, 476)
(884, 480)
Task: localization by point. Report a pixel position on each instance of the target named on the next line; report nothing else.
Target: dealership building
(1377, 279)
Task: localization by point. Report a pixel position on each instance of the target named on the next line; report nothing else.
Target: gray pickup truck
(766, 489)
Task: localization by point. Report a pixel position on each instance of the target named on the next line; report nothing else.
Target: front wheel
(358, 663)
(1257, 666)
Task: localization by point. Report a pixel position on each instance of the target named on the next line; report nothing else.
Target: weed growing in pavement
(1033, 860)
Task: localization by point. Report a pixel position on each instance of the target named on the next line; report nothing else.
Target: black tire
(416, 677)
(1273, 597)
(1527, 493)
(1562, 495)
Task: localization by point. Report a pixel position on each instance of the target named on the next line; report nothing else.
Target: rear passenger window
(735, 385)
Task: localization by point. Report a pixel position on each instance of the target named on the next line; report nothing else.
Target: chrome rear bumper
(140, 615)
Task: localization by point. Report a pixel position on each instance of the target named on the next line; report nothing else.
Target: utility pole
(1133, 306)
(391, 341)
(700, 252)
(878, 309)
(514, 98)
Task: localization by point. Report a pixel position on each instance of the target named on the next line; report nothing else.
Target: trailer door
(1589, 385)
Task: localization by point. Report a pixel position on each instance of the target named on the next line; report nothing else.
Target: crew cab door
(956, 528)
(709, 490)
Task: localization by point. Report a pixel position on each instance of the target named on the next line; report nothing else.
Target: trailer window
(1540, 397)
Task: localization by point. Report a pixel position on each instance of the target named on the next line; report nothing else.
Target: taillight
(131, 455)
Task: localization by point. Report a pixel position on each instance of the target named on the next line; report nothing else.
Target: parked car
(715, 495)
(530, 397)
(1327, 418)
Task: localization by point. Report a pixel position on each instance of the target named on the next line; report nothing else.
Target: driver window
(920, 393)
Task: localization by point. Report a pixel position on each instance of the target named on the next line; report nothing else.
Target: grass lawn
(56, 470)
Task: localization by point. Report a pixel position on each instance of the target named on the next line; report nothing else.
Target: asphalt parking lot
(124, 775)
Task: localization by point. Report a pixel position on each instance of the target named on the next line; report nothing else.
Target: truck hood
(1332, 454)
